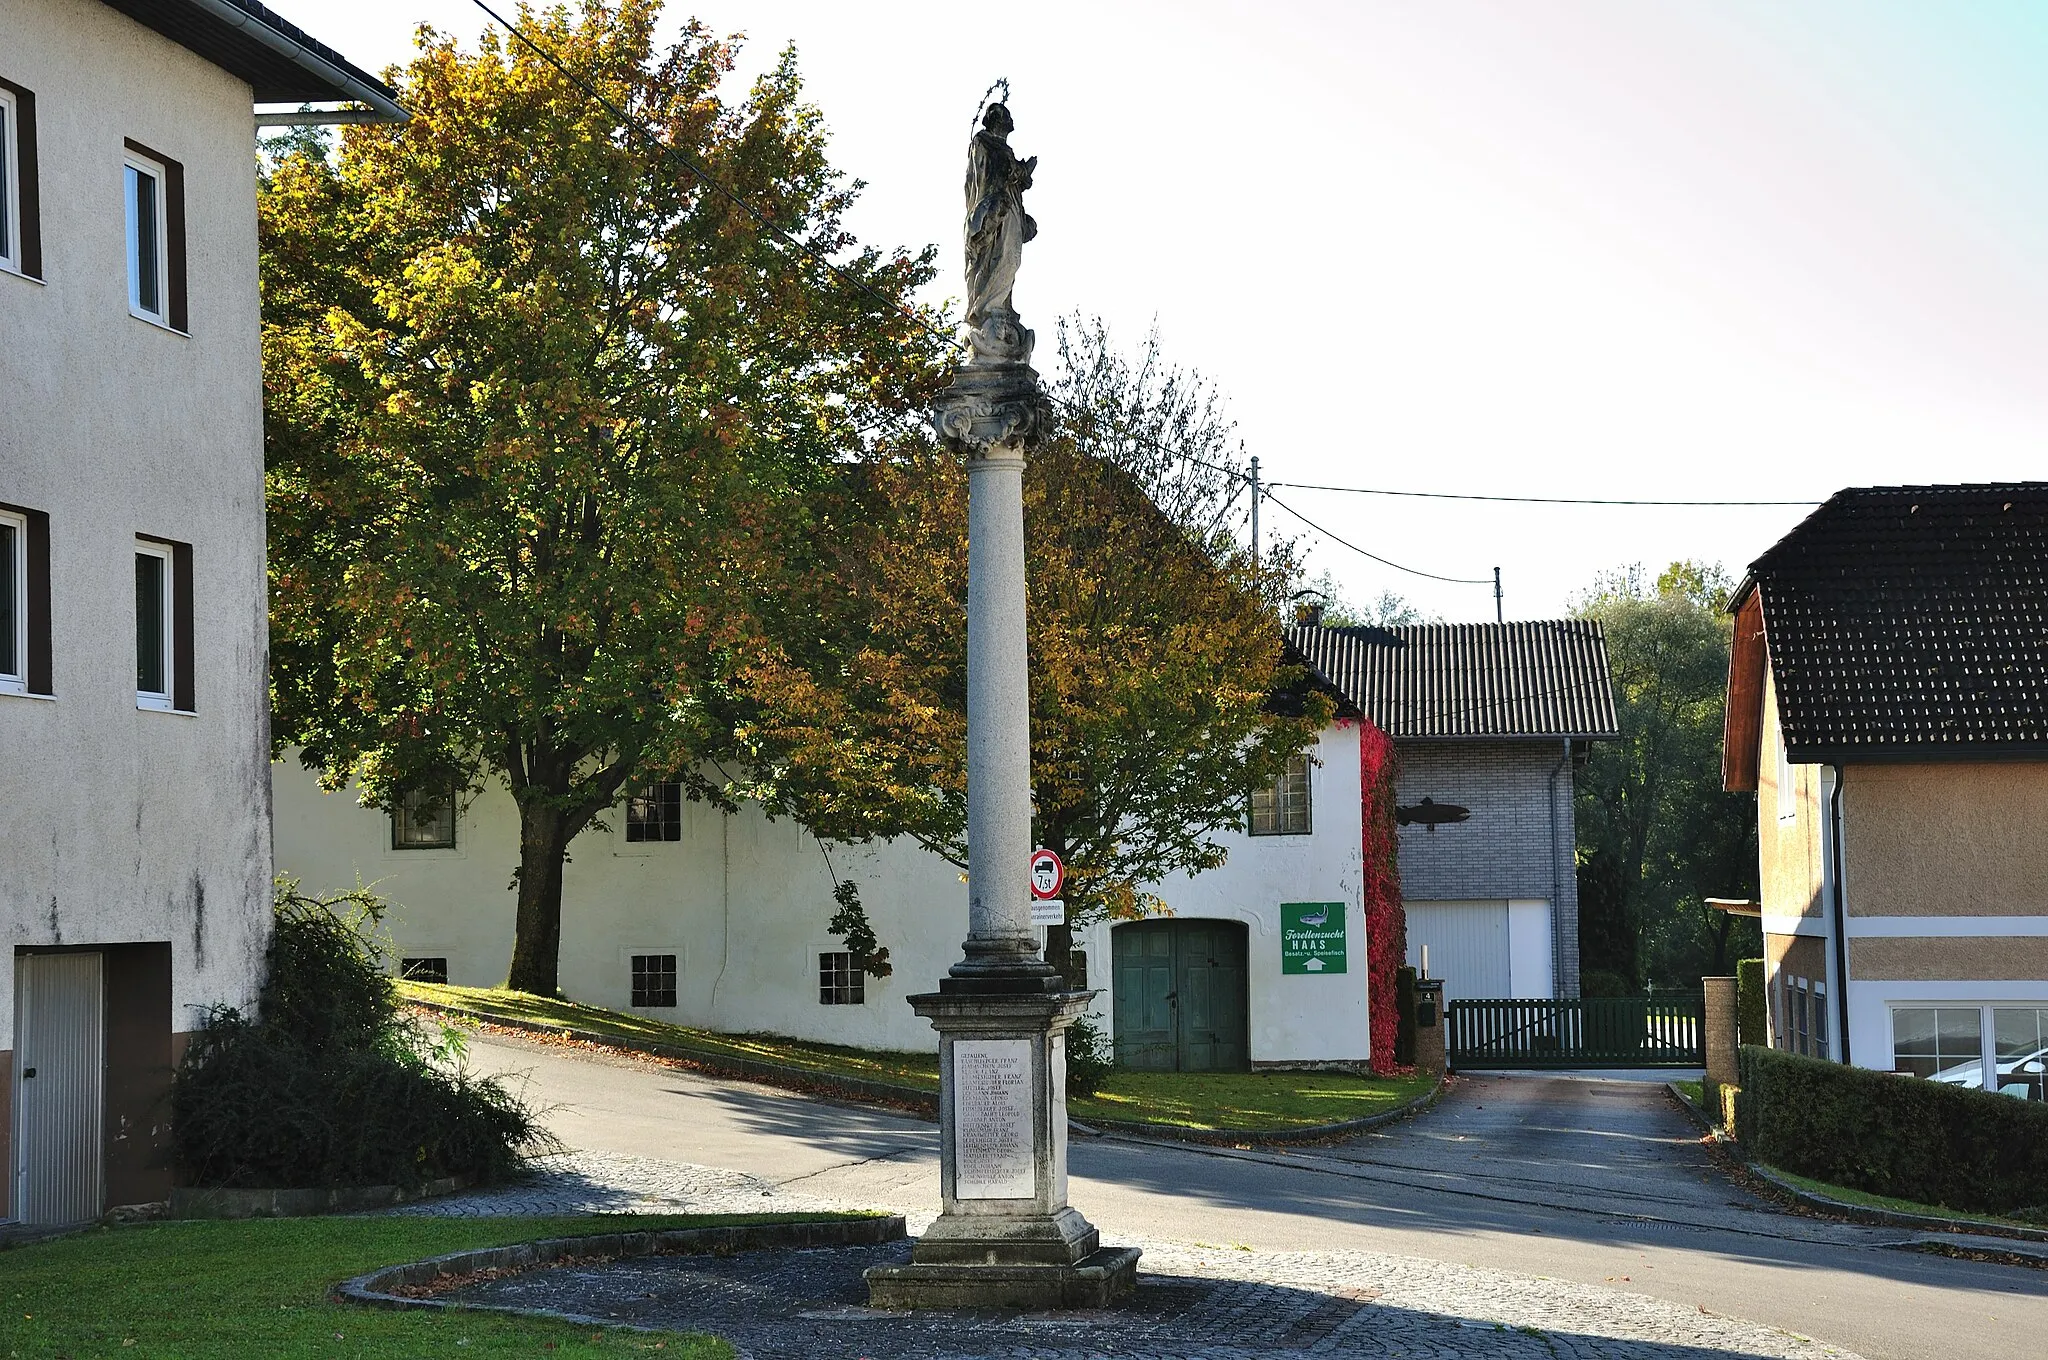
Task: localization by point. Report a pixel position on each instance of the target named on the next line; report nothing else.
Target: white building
(718, 921)
(134, 797)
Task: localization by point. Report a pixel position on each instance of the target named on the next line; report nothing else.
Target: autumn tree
(1657, 835)
(545, 408)
(1159, 696)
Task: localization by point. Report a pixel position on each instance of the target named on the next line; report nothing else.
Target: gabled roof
(1466, 680)
(282, 64)
(1903, 623)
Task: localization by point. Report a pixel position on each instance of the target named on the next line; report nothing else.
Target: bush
(331, 1084)
(1090, 1058)
(1928, 1141)
(1404, 1010)
(1752, 1019)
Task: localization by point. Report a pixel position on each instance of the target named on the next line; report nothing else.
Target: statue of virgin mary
(997, 228)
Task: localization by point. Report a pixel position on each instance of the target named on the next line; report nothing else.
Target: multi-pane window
(154, 659)
(1960, 1043)
(1943, 1042)
(433, 969)
(2019, 1037)
(1796, 1014)
(656, 813)
(654, 979)
(840, 982)
(1281, 809)
(424, 818)
(1817, 1003)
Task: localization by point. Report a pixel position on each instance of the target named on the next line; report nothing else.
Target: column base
(975, 1239)
(1094, 1281)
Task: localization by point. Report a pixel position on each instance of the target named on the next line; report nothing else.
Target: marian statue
(997, 228)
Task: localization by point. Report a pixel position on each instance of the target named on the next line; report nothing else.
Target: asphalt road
(1592, 1181)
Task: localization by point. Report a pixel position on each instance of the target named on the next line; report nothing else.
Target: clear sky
(1596, 248)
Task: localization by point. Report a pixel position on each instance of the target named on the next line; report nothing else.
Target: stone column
(1007, 1238)
(1720, 1033)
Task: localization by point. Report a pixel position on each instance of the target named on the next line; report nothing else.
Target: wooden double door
(1178, 992)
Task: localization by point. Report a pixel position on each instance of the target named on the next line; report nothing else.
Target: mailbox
(1429, 1002)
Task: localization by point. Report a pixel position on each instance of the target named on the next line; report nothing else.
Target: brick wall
(1520, 801)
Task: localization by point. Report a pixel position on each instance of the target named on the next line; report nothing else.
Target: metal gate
(1598, 1031)
(59, 1093)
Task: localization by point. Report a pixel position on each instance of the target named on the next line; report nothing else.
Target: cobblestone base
(1193, 1303)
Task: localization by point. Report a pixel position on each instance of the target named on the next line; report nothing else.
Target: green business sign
(1311, 937)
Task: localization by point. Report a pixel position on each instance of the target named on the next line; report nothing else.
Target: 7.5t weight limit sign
(1048, 876)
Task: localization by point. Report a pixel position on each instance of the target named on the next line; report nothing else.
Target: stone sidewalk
(1214, 1302)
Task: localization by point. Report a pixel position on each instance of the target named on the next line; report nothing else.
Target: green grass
(260, 1288)
(1904, 1206)
(1202, 1101)
(1693, 1093)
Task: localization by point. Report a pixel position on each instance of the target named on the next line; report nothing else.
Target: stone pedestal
(1430, 1030)
(1006, 1236)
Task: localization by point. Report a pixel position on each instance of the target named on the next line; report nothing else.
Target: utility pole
(1498, 615)
(1255, 509)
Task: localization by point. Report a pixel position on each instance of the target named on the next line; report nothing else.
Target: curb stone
(924, 1103)
(375, 1287)
(1857, 1213)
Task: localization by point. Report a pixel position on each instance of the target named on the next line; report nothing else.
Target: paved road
(1586, 1181)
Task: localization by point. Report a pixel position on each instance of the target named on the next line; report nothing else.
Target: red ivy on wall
(1386, 924)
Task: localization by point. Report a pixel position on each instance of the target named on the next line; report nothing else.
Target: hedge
(1910, 1138)
(1752, 1019)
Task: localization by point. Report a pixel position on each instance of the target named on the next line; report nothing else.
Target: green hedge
(1752, 1019)
(1914, 1139)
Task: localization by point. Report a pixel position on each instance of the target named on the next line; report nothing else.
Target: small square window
(424, 818)
(840, 983)
(654, 979)
(1282, 808)
(656, 813)
(424, 970)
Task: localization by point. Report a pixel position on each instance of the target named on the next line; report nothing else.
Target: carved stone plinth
(1006, 1236)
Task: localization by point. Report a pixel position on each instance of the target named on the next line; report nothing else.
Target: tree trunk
(537, 931)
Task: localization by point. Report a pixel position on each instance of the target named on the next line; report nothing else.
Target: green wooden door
(1178, 993)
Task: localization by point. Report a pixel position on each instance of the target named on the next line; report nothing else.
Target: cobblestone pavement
(1194, 1302)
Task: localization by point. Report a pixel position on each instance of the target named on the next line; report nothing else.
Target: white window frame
(162, 701)
(10, 183)
(16, 681)
(132, 161)
(1988, 1076)
(1788, 785)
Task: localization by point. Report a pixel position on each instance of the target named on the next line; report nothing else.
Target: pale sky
(1590, 248)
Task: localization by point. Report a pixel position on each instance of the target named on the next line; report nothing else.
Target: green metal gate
(1178, 992)
(1599, 1031)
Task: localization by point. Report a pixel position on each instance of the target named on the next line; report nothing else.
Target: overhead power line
(1519, 500)
(1412, 571)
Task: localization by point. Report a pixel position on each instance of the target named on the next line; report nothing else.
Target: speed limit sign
(1048, 874)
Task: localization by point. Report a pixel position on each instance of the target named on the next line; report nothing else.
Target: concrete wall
(122, 825)
(742, 902)
(1519, 844)
(1947, 839)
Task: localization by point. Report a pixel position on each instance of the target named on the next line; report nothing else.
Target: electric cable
(1385, 562)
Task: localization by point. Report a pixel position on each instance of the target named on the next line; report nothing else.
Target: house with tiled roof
(1488, 721)
(1888, 704)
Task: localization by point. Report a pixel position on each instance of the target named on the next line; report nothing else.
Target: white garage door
(1468, 946)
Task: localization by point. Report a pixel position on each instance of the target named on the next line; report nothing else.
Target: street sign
(1048, 874)
(1048, 911)
(1312, 937)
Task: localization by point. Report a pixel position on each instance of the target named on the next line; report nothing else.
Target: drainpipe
(1557, 881)
(1840, 913)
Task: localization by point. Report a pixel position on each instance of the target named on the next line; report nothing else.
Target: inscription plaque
(992, 1151)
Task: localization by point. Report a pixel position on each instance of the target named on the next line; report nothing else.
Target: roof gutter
(384, 107)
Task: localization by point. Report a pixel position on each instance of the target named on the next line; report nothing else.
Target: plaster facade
(742, 902)
(123, 826)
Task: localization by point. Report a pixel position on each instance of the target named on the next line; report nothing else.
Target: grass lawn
(1692, 1092)
(1194, 1100)
(1904, 1206)
(259, 1288)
